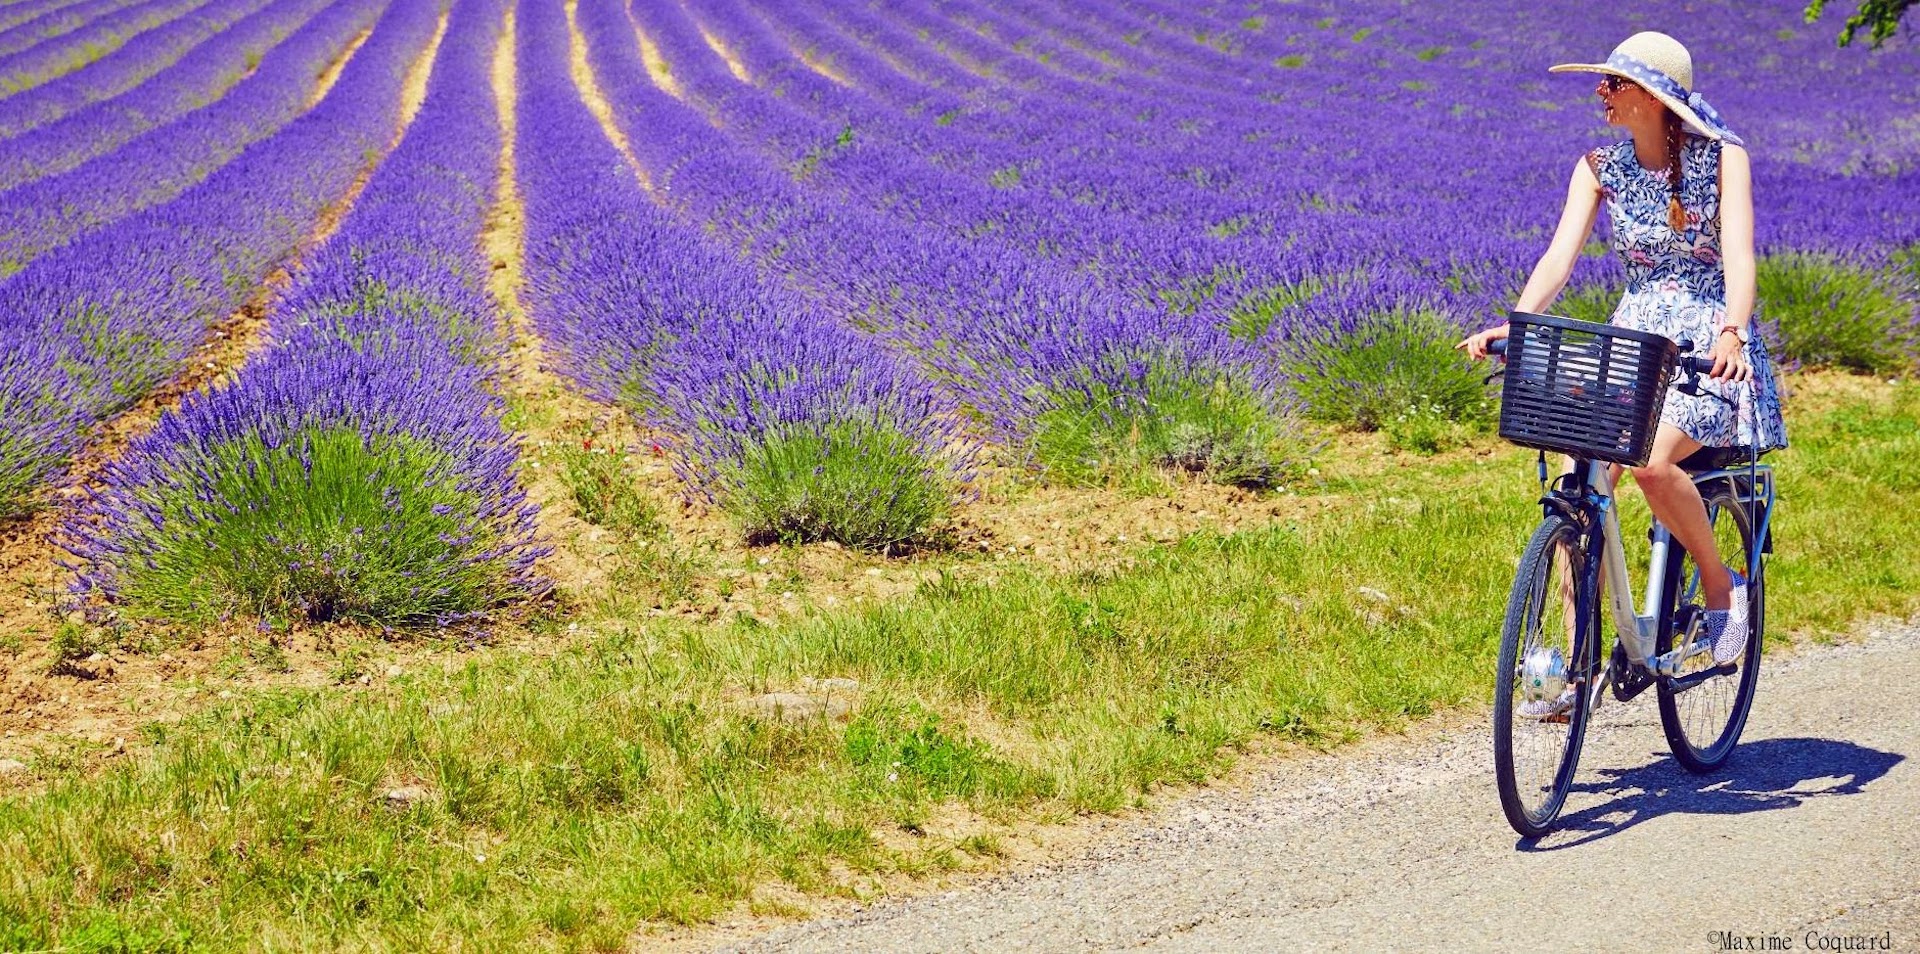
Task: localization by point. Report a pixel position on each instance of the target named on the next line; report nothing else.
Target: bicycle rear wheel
(1534, 757)
(1703, 723)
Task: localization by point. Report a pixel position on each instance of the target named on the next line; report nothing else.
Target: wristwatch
(1739, 331)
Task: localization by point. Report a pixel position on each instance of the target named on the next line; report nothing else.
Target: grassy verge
(643, 773)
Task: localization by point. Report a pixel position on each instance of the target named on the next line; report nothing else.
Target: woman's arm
(1551, 272)
(1736, 256)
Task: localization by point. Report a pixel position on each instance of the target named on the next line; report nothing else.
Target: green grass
(571, 796)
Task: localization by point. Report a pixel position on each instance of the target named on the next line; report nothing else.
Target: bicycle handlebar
(1687, 363)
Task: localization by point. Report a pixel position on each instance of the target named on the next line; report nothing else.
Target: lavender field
(325, 324)
(835, 257)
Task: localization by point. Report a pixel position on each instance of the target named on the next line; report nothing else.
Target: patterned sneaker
(1727, 628)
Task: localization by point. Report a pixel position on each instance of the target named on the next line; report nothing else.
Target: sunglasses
(1614, 84)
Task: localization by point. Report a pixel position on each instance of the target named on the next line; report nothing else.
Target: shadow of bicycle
(1765, 775)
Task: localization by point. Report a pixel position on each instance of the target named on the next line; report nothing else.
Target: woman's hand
(1730, 359)
(1476, 345)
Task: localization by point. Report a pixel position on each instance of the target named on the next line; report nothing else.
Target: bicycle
(1594, 392)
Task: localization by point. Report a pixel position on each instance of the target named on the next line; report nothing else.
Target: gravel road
(1810, 835)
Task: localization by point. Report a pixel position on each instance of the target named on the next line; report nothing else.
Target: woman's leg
(1676, 502)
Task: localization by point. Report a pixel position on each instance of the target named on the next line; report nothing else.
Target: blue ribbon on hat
(1653, 79)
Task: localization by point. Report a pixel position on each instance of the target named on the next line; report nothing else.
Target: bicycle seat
(1716, 458)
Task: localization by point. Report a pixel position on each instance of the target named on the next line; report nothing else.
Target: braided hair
(1676, 141)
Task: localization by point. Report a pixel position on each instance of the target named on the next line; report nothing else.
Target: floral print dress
(1676, 287)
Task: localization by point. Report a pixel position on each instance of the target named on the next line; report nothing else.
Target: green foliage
(1425, 428)
(864, 485)
(1829, 312)
(894, 745)
(1364, 378)
(604, 493)
(1588, 303)
(361, 530)
(1219, 427)
(74, 641)
(1254, 313)
(1881, 18)
(1291, 61)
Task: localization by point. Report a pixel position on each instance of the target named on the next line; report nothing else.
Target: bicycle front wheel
(1536, 734)
(1703, 722)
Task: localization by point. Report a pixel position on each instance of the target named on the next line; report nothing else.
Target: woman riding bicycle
(1680, 201)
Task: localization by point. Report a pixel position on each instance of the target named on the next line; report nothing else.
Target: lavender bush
(139, 59)
(359, 470)
(198, 79)
(101, 337)
(1825, 310)
(797, 424)
(332, 481)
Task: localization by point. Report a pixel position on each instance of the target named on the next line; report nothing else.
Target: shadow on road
(1762, 776)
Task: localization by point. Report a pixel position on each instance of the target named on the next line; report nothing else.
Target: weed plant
(1364, 378)
(604, 493)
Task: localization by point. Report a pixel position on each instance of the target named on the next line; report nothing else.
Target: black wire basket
(1585, 389)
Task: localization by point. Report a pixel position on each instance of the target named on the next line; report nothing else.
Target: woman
(1679, 197)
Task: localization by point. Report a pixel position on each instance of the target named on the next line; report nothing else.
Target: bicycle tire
(1718, 707)
(1530, 797)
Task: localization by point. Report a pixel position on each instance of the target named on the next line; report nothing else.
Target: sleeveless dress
(1676, 287)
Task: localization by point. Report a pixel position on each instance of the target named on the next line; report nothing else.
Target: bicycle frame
(1593, 508)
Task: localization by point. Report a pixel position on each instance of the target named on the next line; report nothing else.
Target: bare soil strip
(732, 59)
(331, 74)
(549, 411)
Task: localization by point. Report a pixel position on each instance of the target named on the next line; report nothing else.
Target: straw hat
(1662, 67)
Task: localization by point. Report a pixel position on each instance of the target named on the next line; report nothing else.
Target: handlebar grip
(1497, 346)
(1690, 364)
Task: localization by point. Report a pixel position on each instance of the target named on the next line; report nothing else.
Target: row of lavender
(197, 80)
(49, 19)
(140, 59)
(1054, 362)
(1183, 151)
(79, 341)
(1338, 171)
(96, 191)
(358, 468)
(797, 423)
(29, 14)
(44, 62)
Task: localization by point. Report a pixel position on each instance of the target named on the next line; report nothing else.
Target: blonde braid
(1676, 141)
